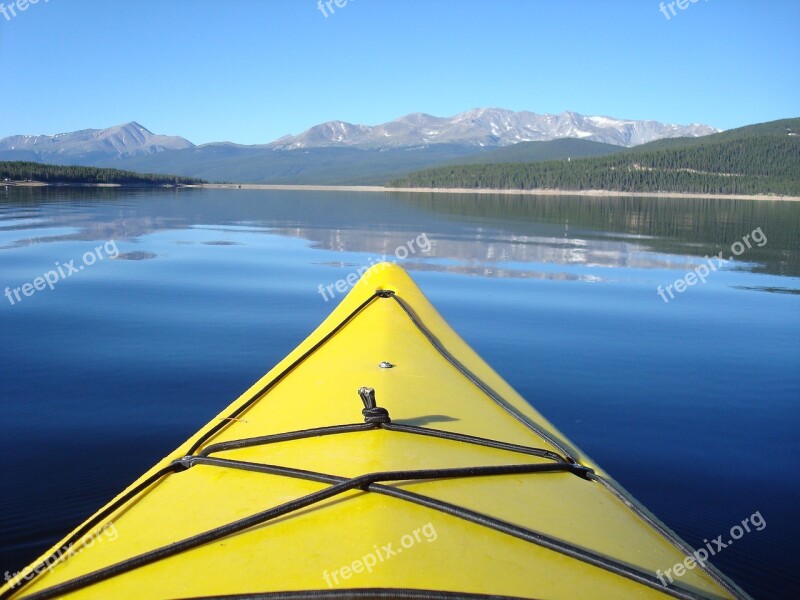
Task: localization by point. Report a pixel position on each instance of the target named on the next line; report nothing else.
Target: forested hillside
(24, 171)
(530, 152)
(759, 159)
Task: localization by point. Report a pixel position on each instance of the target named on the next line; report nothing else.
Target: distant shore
(536, 192)
(85, 185)
(379, 188)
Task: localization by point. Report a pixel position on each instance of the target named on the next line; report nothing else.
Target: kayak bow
(383, 458)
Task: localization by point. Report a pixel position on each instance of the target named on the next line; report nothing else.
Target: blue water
(692, 404)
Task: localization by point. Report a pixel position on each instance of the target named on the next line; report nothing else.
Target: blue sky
(250, 71)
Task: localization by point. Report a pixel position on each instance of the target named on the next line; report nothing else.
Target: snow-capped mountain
(488, 127)
(478, 128)
(339, 152)
(128, 140)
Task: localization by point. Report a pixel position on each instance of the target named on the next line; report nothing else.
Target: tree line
(68, 174)
(756, 165)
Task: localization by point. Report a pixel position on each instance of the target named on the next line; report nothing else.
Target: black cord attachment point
(373, 413)
(583, 471)
(183, 464)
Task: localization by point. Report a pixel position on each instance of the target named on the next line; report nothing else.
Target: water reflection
(489, 236)
(487, 250)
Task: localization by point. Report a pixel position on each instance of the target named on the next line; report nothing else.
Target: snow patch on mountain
(130, 139)
(489, 127)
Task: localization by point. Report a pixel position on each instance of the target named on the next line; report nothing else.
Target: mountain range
(759, 159)
(338, 152)
(487, 127)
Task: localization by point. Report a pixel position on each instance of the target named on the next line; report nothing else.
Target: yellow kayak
(383, 458)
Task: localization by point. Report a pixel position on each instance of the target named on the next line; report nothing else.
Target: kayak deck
(381, 458)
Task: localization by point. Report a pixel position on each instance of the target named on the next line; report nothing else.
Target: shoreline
(383, 189)
(91, 185)
(534, 192)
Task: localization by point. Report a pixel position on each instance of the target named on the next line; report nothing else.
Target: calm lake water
(691, 404)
